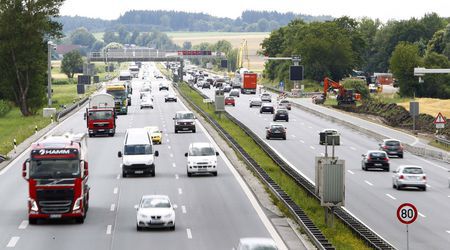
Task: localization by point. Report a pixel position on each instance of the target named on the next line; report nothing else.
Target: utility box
(333, 140)
(323, 137)
(331, 180)
(219, 100)
(81, 89)
(96, 79)
(47, 112)
(84, 79)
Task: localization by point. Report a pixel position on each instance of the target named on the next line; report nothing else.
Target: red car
(229, 100)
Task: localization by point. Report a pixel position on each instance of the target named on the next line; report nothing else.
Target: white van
(138, 156)
(201, 158)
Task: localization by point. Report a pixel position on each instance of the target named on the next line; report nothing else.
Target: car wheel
(80, 220)
(393, 185)
(141, 107)
(260, 112)
(165, 100)
(215, 173)
(274, 119)
(189, 174)
(176, 131)
(32, 221)
(193, 131)
(234, 105)
(250, 106)
(172, 228)
(387, 169)
(175, 100)
(124, 175)
(287, 120)
(284, 138)
(153, 174)
(401, 156)
(398, 187)
(424, 188)
(138, 228)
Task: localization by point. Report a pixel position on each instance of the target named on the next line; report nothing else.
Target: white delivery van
(201, 159)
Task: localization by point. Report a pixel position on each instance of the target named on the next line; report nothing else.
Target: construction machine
(344, 97)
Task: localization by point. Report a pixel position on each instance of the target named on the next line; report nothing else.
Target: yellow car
(155, 134)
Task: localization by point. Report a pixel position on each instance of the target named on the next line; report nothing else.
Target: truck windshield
(145, 149)
(54, 168)
(117, 93)
(201, 151)
(100, 115)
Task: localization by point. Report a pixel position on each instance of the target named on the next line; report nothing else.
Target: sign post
(407, 214)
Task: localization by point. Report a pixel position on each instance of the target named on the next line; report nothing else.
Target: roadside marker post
(15, 145)
(407, 214)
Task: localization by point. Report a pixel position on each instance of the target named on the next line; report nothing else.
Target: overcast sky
(383, 9)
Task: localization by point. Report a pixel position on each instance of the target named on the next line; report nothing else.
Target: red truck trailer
(57, 174)
(100, 116)
(249, 82)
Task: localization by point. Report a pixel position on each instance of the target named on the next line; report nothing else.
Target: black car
(206, 85)
(275, 130)
(226, 88)
(281, 114)
(375, 159)
(392, 147)
(266, 108)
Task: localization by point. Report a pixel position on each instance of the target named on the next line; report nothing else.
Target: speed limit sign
(407, 213)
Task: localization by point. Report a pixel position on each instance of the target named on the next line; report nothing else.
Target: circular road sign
(407, 213)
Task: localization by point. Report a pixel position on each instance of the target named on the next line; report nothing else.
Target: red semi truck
(57, 173)
(249, 83)
(100, 115)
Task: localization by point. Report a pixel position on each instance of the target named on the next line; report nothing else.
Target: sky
(382, 9)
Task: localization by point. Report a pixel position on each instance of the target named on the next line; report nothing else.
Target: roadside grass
(340, 236)
(440, 145)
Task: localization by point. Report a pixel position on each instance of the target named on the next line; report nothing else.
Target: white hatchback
(201, 159)
(409, 176)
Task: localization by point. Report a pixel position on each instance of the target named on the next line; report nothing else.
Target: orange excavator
(345, 97)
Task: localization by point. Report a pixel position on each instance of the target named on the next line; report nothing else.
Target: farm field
(431, 106)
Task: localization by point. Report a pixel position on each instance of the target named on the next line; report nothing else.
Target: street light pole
(49, 74)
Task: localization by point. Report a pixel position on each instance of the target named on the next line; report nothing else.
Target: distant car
(324, 133)
(375, 159)
(147, 103)
(163, 85)
(284, 104)
(159, 77)
(409, 176)
(256, 244)
(227, 88)
(200, 83)
(155, 134)
(281, 114)
(155, 211)
(276, 130)
(392, 147)
(206, 85)
(201, 158)
(145, 89)
(234, 92)
(170, 97)
(229, 100)
(318, 99)
(184, 121)
(256, 101)
(267, 108)
(266, 97)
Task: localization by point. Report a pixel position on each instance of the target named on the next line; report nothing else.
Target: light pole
(50, 47)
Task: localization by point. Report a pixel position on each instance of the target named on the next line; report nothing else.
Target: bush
(62, 82)
(5, 107)
(359, 85)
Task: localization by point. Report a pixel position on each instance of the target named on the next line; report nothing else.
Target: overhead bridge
(148, 55)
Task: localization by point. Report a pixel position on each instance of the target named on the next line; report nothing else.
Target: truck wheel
(176, 131)
(124, 175)
(189, 174)
(80, 220)
(193, 131)
(32, 221)
(214, 173)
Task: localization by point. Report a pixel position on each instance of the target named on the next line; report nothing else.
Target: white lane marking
(13, 241)
(351, 172)
(177, 177)
(118, 176)
(174, 165)
(422, 215)
(302, 141)
(166, 134)
(293, 136)
(390, 196)
(164, 125)
(428, 186)
(448, 196)
(116, 190)
(23, 224)
(189, 233)
(368, 183)
(448, 231)
(311, 147)
(265, 119)
(168, 140)
(180, 191)
(322, 154)
(267, 224)
(302, 123)
(113, 207)
(171, 155)
(352, 148)
(183, 209)
(169, 147)
(108, 229)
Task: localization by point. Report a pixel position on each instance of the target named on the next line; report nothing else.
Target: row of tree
(25, 28)
(336, 48)
(144, 20)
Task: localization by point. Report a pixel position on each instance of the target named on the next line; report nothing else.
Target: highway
(369, 195)
(212, 212)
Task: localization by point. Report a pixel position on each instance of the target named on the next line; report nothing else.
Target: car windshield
(284, 102)
(145, 90)
(277, 127)
(54, 168)
(155, 203)
(282, 111)
(145, 149)
(229, 98)
(100, 115)
(378, 154)
(412, 171)
(203, 151)
(392, 143)
(184, 116)
(117, 93)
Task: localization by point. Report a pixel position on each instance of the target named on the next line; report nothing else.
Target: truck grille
(97, 125)
(55, 201)
(137, 167)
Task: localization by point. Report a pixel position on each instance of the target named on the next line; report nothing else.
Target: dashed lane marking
(108, 229)
(116, 190)
(390, 196)
(180, 191)
(113, 207)
(118, 176)
(302, 141)
(169, 147)
(183, 209)
(368, 183)
(171, 155)
(311, 147)
(293, 136)
(177, 177)
(422, 215)
(23, 224)
(352, 148)
(189, 233)
(174, 165)
(351, 172)
(13, 241)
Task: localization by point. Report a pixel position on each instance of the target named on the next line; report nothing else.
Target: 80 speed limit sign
(407, 213)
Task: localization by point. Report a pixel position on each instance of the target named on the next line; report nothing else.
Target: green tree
(187, 45)
(436, 43)
(263, 25)
(82, 36)
(71, 63)
(110, 37)
(404, 58)
(436, 85)
(98, 46)
(25, 27)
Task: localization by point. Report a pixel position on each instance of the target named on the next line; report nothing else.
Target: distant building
(66, 48)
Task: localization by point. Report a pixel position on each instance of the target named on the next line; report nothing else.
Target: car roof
(152, 196)
(282, 109)
(137, 136)
(410, 166)
(184, 112)
(385, 140)
(267, 104)
(375, 151)
(276, 124)
(201, 145)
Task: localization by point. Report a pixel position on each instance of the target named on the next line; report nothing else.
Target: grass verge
(440, 145)
(340, 236)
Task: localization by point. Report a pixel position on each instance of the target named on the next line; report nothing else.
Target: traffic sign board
(407, 213)
(440, 119)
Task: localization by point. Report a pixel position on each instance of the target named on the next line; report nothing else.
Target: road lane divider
(13, 241)
(189, 233)
(23, 224)
(422, 215)
(183, 209)
(368, 183)
(351, 172)
(177, 177)
(108, 229)
(180, 191)
(390, 196)
(116, 190)
(311, 147)
(113, 207)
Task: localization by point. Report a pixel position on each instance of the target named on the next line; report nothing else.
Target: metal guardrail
(443, 140)
(302, 94)
(66, 111)
(313, 232)
(365, 233)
